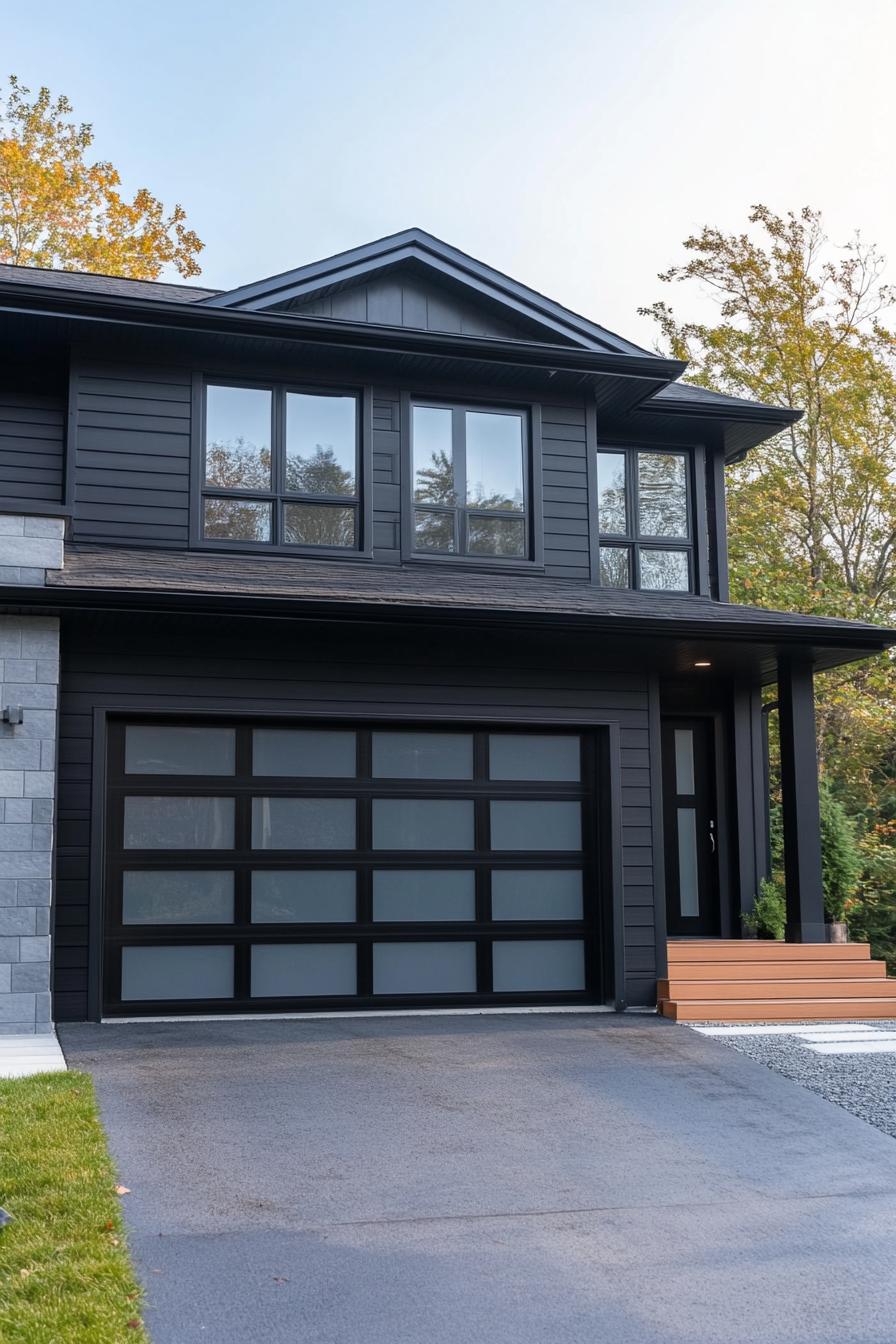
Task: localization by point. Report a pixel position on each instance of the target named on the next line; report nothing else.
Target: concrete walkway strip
(865, 1047)
(21, 1056)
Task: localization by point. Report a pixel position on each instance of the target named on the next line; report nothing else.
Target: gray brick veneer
(29, 676)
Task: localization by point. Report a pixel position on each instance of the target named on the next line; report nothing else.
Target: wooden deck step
(857, 968)
(761, 949)
(776, 1010)
(828, 988)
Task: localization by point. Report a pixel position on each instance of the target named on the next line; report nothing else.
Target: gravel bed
(862, 1084)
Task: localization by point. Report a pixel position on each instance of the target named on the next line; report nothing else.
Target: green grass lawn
(65, 1273)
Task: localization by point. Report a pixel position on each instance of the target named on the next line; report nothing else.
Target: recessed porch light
(704, 664)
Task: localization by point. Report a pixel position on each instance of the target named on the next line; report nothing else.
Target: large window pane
(611, 495)
(326, 896)
(615, 567)
(424, 968)
(496, 536)
(303, 823)
(665, 571)
(304, 752)
(433, 456)
(530, 893)
(434, 530)
(533, 965)
(318, 525)
(236, 520)
(165, 749)
(178, 823)
(534, 756)
(321, 439)
(662, 495)
(495, 467)
(238, 438)
(413, 755)
(304, 970)
(176, 973)
(520, 824)
(403, 895)
(422, 823)
(177, 897)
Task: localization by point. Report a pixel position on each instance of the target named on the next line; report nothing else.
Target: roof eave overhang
(830, 648)
(202, 319)
(765, 422)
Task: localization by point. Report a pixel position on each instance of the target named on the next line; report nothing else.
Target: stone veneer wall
(29, 676)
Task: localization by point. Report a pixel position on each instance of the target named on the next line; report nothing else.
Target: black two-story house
(367, 645)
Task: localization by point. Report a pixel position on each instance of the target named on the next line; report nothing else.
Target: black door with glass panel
(691, 842)
(264, 867)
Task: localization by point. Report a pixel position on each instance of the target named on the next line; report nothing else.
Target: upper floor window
(644, 520)
(280, 467)
(470, 470)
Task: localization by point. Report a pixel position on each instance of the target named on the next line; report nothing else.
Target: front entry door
(690, 825)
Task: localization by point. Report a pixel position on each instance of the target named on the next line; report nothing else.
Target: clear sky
(571, 143)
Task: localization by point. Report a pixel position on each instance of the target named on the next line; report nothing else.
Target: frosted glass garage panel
(176, 897)
(536, 825)
(424, 968)
(322, 753)
(176, 973)
(412, 755)
(304, 970)
(303, 823)
(413, 896)
(535, 756)
(304, 897)
(423, 823)
(535, 965)
(178, 823)
(166, 749)
(532, 894)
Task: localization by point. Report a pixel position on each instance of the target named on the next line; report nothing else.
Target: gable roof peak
(416, 246)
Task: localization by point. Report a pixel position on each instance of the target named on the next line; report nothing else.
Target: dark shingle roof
(689, 392)
(115, 285)
(322, 582)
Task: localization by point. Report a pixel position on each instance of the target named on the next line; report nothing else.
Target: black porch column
(799, 798)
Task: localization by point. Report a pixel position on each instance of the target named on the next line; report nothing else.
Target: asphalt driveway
(489, 1180)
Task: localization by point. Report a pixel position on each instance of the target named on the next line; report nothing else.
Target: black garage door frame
(607, 821)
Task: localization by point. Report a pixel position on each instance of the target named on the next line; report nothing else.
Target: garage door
(262, 867)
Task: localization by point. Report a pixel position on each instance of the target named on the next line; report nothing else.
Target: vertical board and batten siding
(132, 465)
(32, 446)
(250, 668)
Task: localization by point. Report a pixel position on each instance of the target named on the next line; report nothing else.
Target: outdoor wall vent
(13, 714)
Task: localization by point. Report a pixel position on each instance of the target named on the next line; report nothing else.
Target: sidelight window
(281, 467)
(645, 522)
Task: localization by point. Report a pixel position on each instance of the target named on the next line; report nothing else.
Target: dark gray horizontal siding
(386, 476)
(564, 474)
(133, 455)
(32, 445)
(157, 663)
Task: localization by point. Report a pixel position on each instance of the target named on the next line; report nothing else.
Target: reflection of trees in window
(434, 483)
(319, 474)
(318, 525)
(477, 498)
(237, 520)
(238, 465)
(662, 495)
(496, 536)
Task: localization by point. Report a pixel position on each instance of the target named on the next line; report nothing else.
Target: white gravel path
(850, 1063)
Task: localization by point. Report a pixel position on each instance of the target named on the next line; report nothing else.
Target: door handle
(712, 836)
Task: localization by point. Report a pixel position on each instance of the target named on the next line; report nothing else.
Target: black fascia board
(203, 319)
(861, 642)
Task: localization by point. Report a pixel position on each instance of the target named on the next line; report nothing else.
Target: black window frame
(278, 497)
(633, 542)
(532, 512)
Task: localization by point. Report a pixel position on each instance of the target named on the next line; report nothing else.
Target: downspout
(767, 710)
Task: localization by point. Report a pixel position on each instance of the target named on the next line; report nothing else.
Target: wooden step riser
(759, 949)
(846, 1010)
(777, 989)
(784, 970)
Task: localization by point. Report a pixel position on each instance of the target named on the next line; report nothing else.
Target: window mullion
(459, 459)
